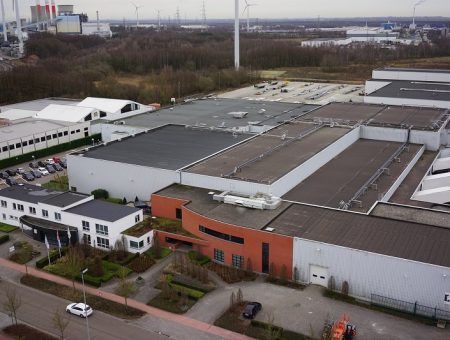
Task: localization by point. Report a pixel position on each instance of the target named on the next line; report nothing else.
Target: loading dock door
(318, 275)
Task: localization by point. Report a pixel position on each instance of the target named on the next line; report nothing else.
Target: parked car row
(37, 170)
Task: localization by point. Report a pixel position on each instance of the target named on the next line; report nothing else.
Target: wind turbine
(236, 35)
(247, 8)
(5, 35)
(137, 13)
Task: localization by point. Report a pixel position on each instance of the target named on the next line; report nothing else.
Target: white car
(43, 171)
(79, 309)
(50, 161)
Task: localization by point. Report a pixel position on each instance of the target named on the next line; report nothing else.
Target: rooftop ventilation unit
(259, 201)
(238, 114)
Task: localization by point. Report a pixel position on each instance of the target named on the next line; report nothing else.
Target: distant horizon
(263, 9)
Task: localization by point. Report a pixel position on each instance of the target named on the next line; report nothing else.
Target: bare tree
(272, 332)
(239, 297)
(12, 303)
(60, 321)
(74, 263)
(126, 287)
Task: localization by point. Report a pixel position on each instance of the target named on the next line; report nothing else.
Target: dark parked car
(11, 181)
(50, 169)
(28, 176)
(58, 167)
(63, 164)
(36, 173)
(4, 175)
(11, 172)
(251, 309)
(42, 164)
(34, 165)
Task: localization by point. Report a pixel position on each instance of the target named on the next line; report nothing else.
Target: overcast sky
(192, 9)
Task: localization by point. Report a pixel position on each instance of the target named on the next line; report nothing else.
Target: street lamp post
(84, 296)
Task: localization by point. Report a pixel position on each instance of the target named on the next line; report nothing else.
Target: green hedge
(6, 228)
(192, 293)
(54, 255)
(28, 157)
(4, 238)
(100, 194)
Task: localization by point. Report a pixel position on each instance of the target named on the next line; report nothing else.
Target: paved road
(38, 309)
(306, 310)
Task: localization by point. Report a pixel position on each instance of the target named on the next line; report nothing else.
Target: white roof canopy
(67, 113)
(105, 104)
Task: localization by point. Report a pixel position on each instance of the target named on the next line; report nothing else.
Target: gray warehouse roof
(413, 241)
(215, 113)
(29, 127)
(413, 90)
(39, 104)
(102, 210)
(170, 147)
(405, 69)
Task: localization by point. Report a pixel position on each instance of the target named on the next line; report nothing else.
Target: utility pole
(236, 36)
(98, 23)
(204, 14)
(178, 16)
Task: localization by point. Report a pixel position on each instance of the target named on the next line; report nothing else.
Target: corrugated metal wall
(369, 273)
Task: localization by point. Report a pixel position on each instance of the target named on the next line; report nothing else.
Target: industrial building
(49, 214)
(327, 194)
(414, 87)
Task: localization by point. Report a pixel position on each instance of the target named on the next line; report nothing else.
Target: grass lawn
(169, 305)
(96, 302)
(59, 183)
(6, 228)
(164, 253)
(26, 332)
(233, 321)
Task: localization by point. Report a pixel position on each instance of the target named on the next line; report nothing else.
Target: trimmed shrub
(4, 238)
(54, 255)
(141, 264)
(100, 194)
(198, 258)
(192, 293)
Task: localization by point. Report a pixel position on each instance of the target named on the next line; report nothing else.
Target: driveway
(306, 311)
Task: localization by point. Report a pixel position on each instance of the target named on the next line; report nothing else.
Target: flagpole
(59, 243)
(48, 247)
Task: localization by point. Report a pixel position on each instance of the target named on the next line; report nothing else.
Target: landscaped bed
(60, 183)
(68, 293)
(23, 252)
(6, 228)
(233, 321)
(26, 332)
(231, 274)
(163, 252)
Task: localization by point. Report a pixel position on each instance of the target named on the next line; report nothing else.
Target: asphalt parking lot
(300, 92)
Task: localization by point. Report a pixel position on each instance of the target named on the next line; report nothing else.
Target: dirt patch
(25, 332)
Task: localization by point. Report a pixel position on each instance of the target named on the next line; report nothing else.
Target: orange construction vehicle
(342, 329)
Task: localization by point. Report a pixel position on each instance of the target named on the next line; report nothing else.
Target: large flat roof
(215, 113)
(402, 239)
(102, 210)
(405, 69)
(201, 201)
(39, 104)
(352, 112)
(268, 157)
(414, 90)
(341, 178)
(170, 147)
(29, 127)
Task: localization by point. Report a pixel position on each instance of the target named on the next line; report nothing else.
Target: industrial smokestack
(5, 35)
(48, 12)
(19, 27)
(53, 3)
(236, 36)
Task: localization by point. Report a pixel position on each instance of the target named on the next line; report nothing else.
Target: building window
(86, 226)
(137, 218)
(220, 235)
(136, 245)
(103, 242)
(36, 140)
(55, 136)
(4, 204)
(57, 216)
(32, 210)
(238, 261)
(20, 207)
(49, 137)
(44, 213)
(72, 132)
(31, 142)
(43, 139)
(78, 130)
(24, 143)
(87, 239)
(101, 229)
(178, 213)
(18, 145)
(5, 148)
(219, 255)
(11, 147)
(66, 133)
(59, 134)
(14, 206)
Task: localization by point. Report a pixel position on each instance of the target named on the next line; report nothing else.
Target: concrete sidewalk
(166, 316)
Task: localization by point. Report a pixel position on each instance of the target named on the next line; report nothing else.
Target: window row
(236, 260)
(220, 235)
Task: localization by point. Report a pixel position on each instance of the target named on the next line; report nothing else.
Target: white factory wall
(441, 164)
(223, 184)
(387, 196)
(51, 138)
(119, 179)
(369, 273)
(407, 101)
(372, 85)
(299, 174)
(431, 139)
(411, 75)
